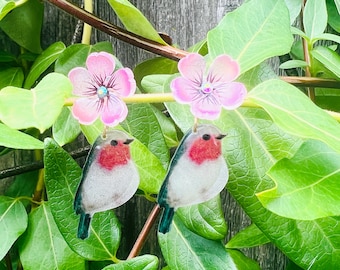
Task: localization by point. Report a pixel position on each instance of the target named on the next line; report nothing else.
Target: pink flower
(100, 90)
(208, 92)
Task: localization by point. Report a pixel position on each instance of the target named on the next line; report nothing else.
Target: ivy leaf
(42, 246)
(249, 237)
(205, 219)
(66, 128)
(145, 262)
(13, 222)
(329, 58)
(39, 107)
(294, 112)
(13, 76)
(315, 18)
(23, 25)
(134, 21)
(308, 181)
(244, 39)
(62, 175)
(43, 61)
(183, 249)
(12, 138)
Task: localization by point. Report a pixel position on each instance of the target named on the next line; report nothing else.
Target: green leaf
(293, 64)
(40, 107)
(66, 128)
(244, 39)
(328, 36)
(134, 21)
(315, 18)
(205, 219)
(145, 262)
(292, 111)
(13, 76)
(142, 123)
(6, 6)
(13, 222)
(249, 237)
(62, 175)
(183, 249)
(23, 185)
(23, 25)
(18, 140)
(42, 246)
(329, 58)
(76, 54)
(306, 186)
(43, 61)
(333, 14)
(294, 7)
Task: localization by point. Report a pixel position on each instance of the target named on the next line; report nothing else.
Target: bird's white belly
(103, 189)
(190, 183)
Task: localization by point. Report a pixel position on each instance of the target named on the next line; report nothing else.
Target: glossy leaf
(329, 58)
(66, 128)
(306, 186)
(293, 64)
(18, 140)
(62, 175)
(43, 61)
(205, 219)
(13, 76)
(251, 236)
(23, 25)
(13, 222)
(76, 54)
(134, 21)
(244, 39)
(183, 249)
(145, 262)
(333, 14)
(142, 123)
(315, 18)
(295, 113)
(7, 6)
(294, 8)
(43, 247)
(39, 107)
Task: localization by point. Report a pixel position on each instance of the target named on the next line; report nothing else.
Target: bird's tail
(166, 219)
(84, 224)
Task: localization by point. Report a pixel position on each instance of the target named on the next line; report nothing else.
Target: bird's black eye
(113, 142)
(206, 137)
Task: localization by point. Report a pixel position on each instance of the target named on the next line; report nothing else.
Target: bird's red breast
(111, 156)
(202, 150)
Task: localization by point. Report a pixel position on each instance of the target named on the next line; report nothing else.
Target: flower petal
(206, 109)
(192, 67)
(114, 111)
(223, 69)
(184, 90)
(86, 110)
(232, 95)
(81, 81)
(122, 82)
(100, 65)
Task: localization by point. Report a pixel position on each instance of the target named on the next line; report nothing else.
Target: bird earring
(109, 179)
(197, 172)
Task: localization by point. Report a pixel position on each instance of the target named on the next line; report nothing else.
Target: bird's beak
(128, 141)
(221, 136)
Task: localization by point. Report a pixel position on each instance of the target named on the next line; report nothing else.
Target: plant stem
(86, 38)
(120, 33)
(144, 232)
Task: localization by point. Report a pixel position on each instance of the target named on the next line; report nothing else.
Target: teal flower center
(207, 88)
(102, 92)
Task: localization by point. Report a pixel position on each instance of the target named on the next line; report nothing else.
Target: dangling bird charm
(197, 173)
(109, 179)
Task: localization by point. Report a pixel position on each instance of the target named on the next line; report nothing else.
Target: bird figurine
(197, 173)
(109, 179)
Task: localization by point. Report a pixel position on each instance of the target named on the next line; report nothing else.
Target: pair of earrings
(197, 173)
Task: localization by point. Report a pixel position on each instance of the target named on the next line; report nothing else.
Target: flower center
(206, 88)
(102, 92)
